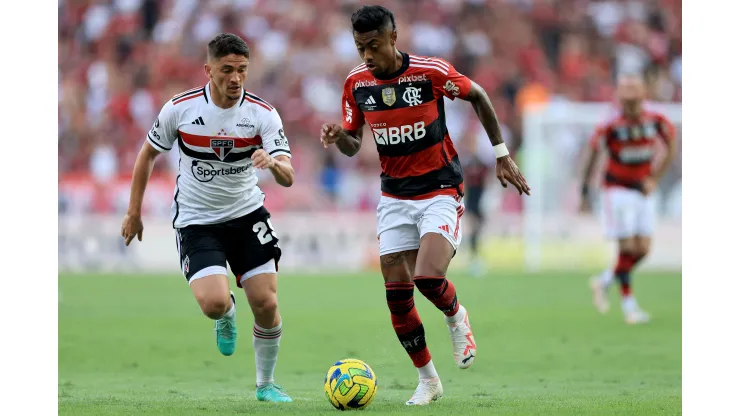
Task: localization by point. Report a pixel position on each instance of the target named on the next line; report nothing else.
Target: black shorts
(245, 243)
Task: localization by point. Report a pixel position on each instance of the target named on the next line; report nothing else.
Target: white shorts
(402, 222)
(627, 213)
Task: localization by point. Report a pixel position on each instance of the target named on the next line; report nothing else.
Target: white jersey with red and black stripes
(216, 181)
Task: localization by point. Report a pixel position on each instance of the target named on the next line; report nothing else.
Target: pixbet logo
(395, 135)
(413, 78)
(360, 84)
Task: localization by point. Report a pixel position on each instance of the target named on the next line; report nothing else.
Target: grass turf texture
(140, 345)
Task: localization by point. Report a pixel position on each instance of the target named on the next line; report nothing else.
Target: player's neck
(219, 100)
(399, 62)
(632, 112)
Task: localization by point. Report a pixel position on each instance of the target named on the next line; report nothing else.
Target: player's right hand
(132, 226)
(330, 133)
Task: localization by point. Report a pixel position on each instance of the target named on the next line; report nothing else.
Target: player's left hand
(649, 185)
(508, 171)
(262, 160)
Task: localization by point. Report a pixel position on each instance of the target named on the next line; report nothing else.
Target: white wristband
(500, 150)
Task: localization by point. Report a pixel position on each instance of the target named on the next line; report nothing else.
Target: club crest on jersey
(389, 96)
(222, 147)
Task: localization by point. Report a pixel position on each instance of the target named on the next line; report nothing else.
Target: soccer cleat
(599, 294)
(271, 392)
(636, 316)
(428, 390)
(226, 332)
(463, 343)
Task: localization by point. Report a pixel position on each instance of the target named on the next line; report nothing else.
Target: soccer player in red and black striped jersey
(630, 180)
(401, 99)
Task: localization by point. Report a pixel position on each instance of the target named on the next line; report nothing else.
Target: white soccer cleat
(428, 390)
(636, 317)
(599, 294)
(463, 343)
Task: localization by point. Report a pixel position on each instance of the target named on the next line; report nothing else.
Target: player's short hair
(227, 44)
(369, 18)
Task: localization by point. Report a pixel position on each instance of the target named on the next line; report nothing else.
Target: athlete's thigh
(645, 216)
(441, 235)
(619, 213)
(202, 252)
(252, 245)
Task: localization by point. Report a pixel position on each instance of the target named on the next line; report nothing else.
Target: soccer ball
(350, 384)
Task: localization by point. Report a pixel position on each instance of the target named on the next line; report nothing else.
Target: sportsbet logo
(395, 135)
(205, 172)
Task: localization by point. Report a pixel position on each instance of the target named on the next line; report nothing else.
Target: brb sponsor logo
(452, 88)
(387, 136)
(361, 84)
(636, 154)
(205, 172)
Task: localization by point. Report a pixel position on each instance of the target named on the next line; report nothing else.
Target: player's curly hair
(369, 18)
(226, 44)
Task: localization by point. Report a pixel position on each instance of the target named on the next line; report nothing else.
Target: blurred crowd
(120, 60)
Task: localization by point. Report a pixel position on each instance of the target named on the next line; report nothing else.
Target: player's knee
(264, 306)
(628, 246)
(215, 307)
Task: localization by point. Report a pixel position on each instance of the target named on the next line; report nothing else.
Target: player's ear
(394, 36)
(207, 70)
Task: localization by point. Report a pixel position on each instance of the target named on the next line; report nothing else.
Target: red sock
(407, 322)
(440, 291)
(622, 272)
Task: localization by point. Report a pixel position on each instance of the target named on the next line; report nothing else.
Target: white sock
(230, 313)
(428, 371)
(459, 316)
(629, 303)
(606, 278)
(266, 343)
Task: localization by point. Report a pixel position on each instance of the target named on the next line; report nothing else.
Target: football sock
(622, 272)
(406, 322)
(266, 343)
(230, 313)
(459, 316)
(427, 371)
(606, 278)
(440, 291)
(474, 241)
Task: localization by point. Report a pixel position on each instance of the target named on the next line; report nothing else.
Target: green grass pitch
(138, 345)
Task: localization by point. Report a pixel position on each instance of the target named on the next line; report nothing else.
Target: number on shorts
(265, 232)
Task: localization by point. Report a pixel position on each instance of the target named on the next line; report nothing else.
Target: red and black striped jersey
(405, 113)
(631, 146)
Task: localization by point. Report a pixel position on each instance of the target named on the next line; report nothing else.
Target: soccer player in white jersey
(223, 134)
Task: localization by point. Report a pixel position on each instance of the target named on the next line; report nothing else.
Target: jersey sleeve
(447, 80)
(598, 139)
(274, 140)
(164, 131)
(666, 129)
(352, 116)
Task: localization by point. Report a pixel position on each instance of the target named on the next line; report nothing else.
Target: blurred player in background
(401, 97)
(476, 167)
(223, 133)
(631, 141)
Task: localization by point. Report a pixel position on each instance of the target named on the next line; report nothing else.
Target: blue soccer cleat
(226, 332)
(271, 392)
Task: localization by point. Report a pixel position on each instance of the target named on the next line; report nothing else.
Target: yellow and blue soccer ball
(350, 384)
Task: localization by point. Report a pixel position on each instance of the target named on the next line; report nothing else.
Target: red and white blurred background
(120, 60)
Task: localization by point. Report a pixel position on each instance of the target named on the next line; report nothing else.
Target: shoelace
(225, 327)
(277, 387)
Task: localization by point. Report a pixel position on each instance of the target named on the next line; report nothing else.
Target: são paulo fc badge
(389, 96)
(222, 147)
(186, 265)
